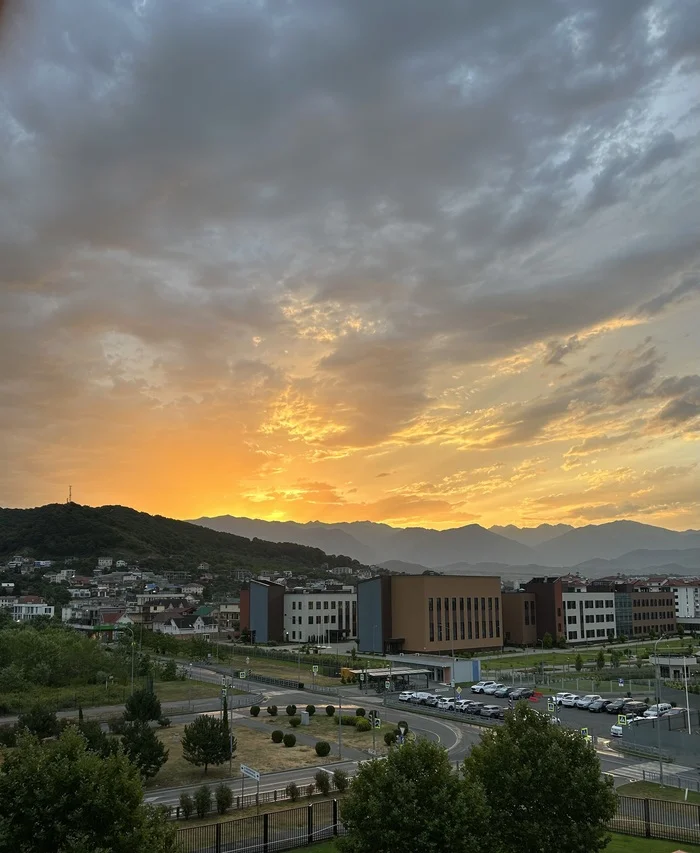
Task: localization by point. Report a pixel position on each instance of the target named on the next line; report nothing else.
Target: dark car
(615, 706)
(635, 707)
(502, 692)
(473, 707)
(522, 693)
(598, 706)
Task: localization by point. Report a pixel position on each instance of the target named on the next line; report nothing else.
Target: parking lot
(576, 718)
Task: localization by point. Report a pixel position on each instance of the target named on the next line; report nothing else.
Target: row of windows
(653, 602)
(590, 604)
(318, 605)
(599, 617)
(646, 617)
(488, 613)
(592, 634)
(659, 629)
(311, 620)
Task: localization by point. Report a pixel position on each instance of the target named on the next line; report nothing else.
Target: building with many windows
(320, 616)
(30, 607)
(589, 616)
(429, 613)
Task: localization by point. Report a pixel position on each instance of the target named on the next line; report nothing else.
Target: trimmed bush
(224, 798)
(272, 710)
(363, 725)
(360, 712)
(289, 740)
(294, 722)
(330, 710)
(202, 801)
(323, 748)
(310, 790)
(390, 738)
(311, 710)
(291, 710)
(293, 792)
(277, 736)
(254, 710)
(186, 806)
(341, 781)
(323, 782)
(348, 719)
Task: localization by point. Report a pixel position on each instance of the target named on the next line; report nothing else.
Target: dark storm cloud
(184, 174)
(688, 288)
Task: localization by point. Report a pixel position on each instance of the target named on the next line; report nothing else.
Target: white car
(587, 700)
(632, 720)
(405, 696)
(657, 710)
(480, 686)
(493, 687)
(559, 698)
(446, 704)
(570, 700)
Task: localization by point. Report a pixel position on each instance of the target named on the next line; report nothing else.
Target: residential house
(104, 563)
(29, 607)
(185, 626)
(229, 616)
(7, 601)
(193, 589)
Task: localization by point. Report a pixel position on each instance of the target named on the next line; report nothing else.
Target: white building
(686, 595)
(7, 601)
(185, 626)
(104, 563)
(589, 616)
(320, 616)
(22, 610)
(193, 589)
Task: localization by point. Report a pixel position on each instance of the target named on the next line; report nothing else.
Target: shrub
(323, 782)
(310, 790)
(224, 797)
(292, 792)
(186, 805)
(348, 719)
(289, 740)
(363, 725)
(323, 748)
(8, 736)
(202, 801)
(277, 736)
(311, 710)
(360, 712)
(390, 738)
(291, 710)
(341, 781)
(272, 710)
(342, 679)
(254, 710)
(164, 722)
(330, 710)
(294, 722)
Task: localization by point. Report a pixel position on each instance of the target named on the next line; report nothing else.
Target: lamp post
(657, 723)
(133, 644)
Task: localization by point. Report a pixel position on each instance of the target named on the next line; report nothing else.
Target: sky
(427, 263)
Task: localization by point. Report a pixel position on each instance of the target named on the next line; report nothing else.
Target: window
(600, 632)
(588, 605)
(294, 635)
(318, 605)
(573, 635)
(294, 605)
(294, 620)
(333, 619)
(332, 605)
(590, 633)
(318, 620)
(461, 618)
(439, 619)
(590, 619)
(527, 612)
(311, 620)
(609, 603)
(469, 619)
(571, 620)
(431, 623)
(571, 605)
(599, 603)
(600, 617)
(325, 620)
(610, 617)
(325, 605)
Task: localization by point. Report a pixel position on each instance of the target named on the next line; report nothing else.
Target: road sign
(551, 707)
(223, 680)
(223, 692)
(459, 691)
(387, 684)
(377, 723)
(250, 773)
(241, 674)
(362, 676)
(314, 669)
(584, 732)
(622, 719)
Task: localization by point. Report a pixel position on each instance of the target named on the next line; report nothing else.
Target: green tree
(143, 748)
(143, 705)
(547, 641)
(202, 801)
(547, 776)
(600, 660)
(680, 630)
(96, 740)
(323, 782)
(206, 741)
(224, 798)
(615, 658)
(40, 721)
(578, 663)
(60, 796)
(413, 801)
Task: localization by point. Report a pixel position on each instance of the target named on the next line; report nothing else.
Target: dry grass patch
(281, 669)
(254, 749)
(323, 727)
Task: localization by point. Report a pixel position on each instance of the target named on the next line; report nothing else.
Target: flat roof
(379, 673)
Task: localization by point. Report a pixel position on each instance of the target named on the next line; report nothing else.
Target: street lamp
(133, 644)
(657, 723)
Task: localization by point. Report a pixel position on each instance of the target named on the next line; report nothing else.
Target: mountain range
(617, 546)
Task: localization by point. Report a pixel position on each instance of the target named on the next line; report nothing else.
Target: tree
(224, 798)
(323, 782)
(550, 778)
(143, 705)
(341, 781)
(40, 721)
(680, 630)
(600, 660)
(186, 805)
(143, 748)
(413, 801)
(202, 801)
(615, 658)
(205, 742)
(96, 740)
(578, 664)
(61, 796)
(547, 641)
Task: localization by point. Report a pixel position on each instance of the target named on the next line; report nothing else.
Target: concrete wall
(370, 626)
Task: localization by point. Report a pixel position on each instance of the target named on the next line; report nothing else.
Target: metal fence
(265, 833)
(658, 819)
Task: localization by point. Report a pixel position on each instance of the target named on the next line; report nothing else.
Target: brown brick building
(429, 613)
(519, 618)
(549, 603)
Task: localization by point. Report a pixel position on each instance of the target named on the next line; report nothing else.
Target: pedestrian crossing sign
(551, 707)
(622, 719)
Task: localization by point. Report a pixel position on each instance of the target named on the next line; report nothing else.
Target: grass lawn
(254, 749)
(279, 669)
(653, 791)
(323, 727)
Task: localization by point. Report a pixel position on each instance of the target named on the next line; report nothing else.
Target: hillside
(71, 530)
(531, 536)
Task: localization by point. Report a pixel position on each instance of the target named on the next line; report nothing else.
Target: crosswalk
(648, 771)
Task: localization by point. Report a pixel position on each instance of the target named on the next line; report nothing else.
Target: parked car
(570, 700)
(522, 693)
(445, 704)
(405, 696)
(432, 700)
(674, 712)
(585, 701)
(632, 720)
(656, 710)
(490, 711)
(633, 706)
(615, 706)
(558, 699)
(492, 688)
(423, 698)
(473, 708)
(480, 686)
(504, 691)
(598, 706)
(463, 704)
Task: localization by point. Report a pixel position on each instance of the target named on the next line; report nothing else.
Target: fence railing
(305, 825)
(429, 711)
(266, 833)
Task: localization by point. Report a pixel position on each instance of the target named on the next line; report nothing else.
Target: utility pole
(340, 726)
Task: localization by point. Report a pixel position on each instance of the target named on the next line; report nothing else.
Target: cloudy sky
(419, 262)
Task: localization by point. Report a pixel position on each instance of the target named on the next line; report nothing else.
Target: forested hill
(71, 530)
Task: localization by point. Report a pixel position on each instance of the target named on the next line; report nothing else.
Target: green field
(652, 791)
